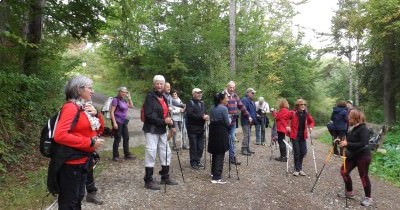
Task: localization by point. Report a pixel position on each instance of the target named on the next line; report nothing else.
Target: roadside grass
(383, 165)
(27, 190)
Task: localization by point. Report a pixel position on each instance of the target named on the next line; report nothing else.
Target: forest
(203, 43)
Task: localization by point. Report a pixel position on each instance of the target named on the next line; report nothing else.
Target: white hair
(231, 83)
(158, 78)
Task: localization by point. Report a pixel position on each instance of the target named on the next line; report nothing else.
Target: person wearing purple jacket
(118, 113)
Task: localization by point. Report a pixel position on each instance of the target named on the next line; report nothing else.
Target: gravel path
(263, 183)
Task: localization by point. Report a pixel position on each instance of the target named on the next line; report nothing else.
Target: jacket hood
(338, 109)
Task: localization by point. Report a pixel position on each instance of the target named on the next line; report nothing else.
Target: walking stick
(248, 145)
(166, 161)
(344, 171)
(313, 153)
(328, 157)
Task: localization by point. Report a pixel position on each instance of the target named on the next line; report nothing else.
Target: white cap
(261, 99)
(196, 90)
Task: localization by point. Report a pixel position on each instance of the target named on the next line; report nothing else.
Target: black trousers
(282, 145)
(299, 151)
(196, 144)
(72, 180)
(217, 165)
(121, 132)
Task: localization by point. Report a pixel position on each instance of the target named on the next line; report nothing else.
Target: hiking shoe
(346, 195)
(281, 159)
(296, 173)
(195, 167)
(302, 173)
(168, 181)
(366, 201)
(250, 151)
(129, 157)
(152, 185)
(234, 161)
(200, 165)
(92, 198)
(219, 181)
(115, 159)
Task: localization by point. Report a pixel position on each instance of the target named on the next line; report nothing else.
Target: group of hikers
(164, 114)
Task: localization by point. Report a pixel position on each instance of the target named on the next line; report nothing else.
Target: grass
(30, 193)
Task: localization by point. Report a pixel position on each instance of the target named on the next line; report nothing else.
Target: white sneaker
(219, 181)
(302, 173)
(296, 173)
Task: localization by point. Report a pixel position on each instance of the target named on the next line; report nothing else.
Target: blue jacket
(251, 109)
(339, 118)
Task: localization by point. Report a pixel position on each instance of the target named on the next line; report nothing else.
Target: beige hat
(196, 90)
(250, 90)
(261, 99)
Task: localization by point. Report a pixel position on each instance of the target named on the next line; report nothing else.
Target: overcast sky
(316, 14)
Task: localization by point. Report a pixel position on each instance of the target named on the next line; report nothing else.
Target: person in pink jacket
(282, 119)
(300, 121)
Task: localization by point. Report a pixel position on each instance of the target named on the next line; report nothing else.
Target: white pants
(154, 143)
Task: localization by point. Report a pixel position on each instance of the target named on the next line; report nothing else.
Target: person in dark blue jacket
(340, 123)
(246, 123)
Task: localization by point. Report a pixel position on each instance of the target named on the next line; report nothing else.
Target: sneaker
(200, 165)
(366, 201)
(263, 144)
(219, 181)
(302, 173)
(296, 173)
(346, 195)
(250, 151)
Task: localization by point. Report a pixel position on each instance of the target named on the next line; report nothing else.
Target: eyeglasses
(302, 104)
(88, 87)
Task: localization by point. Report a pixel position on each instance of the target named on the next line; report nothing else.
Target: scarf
(93, 120)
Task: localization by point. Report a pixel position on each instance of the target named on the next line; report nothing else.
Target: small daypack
(106, 107)
(47, 144)
(142, 117)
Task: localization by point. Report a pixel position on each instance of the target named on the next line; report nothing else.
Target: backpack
(142, 117)
(106, 107)
(47, 144)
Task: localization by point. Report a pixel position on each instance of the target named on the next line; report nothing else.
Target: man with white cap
(196, 118)
(246, 122)
(262, 108)
(156, 120)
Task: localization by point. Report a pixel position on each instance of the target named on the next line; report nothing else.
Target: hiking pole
(180, 165)
(166, 162)
(248, 145)
(205, 145)
(288, 150)
(328, 157)
(344, 171)
(313, 153)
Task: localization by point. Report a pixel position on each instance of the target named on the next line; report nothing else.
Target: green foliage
(387, 165)
(28, 193)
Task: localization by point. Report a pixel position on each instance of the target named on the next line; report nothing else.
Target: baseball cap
(196, 90)
(250, 90)
(349, 101)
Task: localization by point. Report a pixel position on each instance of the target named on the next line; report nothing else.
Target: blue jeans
(196, 144)
(232, 130)
(260, 133)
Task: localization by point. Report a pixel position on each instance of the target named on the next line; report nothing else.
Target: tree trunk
(232, 37)
(357, 77)
(34, 36)
(388, 91)
(350, 72)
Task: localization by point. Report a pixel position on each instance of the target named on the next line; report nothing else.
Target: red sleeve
(78, 138)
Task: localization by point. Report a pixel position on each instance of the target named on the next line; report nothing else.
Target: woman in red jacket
(77, 130)
(300, 120)
(282, 120)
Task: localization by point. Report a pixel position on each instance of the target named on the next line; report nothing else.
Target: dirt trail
(263, 183)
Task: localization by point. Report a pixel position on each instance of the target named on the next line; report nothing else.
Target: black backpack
(47, 144)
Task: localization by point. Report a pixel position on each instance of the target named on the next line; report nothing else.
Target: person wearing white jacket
(178, 108)
(262, 108)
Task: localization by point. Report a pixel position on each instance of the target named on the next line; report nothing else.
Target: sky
(315, 15)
